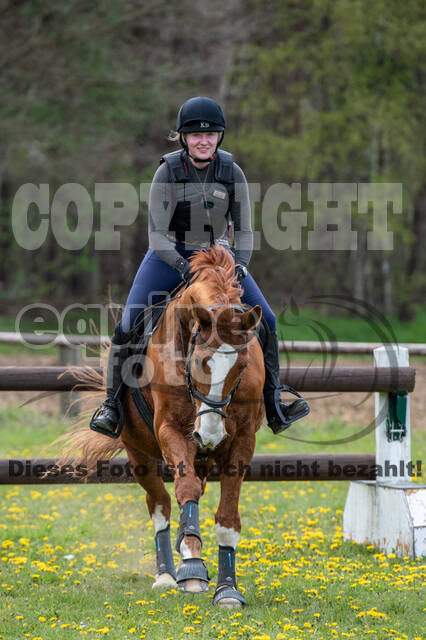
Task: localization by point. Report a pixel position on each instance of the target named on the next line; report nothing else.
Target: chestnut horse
(206, 373)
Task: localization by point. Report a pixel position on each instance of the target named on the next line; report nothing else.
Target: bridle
(215, 406)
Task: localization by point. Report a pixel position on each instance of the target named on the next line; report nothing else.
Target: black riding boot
(106, 418)
(279, 414)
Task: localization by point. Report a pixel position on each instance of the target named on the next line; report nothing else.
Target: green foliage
(313, 92)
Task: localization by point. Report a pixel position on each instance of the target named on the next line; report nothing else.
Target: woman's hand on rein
(240, 272)
(184, 269)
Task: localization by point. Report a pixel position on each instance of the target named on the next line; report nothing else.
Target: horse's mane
(215, 277)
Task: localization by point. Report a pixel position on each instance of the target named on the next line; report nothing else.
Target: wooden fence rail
(307, 467)
(357, 379)
(72, 341)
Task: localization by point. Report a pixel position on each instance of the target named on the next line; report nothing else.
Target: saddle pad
(144, 328)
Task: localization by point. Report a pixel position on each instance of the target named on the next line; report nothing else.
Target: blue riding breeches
(155, 279)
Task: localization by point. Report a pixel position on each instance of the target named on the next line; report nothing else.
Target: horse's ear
(200, 313)
(251, 318)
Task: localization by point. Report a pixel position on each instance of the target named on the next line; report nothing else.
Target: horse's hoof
(193, 586)
(229, 602)
(192, 576)
(228, 597)
(164, 581)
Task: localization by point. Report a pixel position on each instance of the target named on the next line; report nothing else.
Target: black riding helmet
(200, 114)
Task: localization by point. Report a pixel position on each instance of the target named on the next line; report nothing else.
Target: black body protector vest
(201, 211)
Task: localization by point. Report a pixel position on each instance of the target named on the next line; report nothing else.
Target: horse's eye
(197, 361)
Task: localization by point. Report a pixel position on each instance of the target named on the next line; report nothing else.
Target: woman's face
(202, 144)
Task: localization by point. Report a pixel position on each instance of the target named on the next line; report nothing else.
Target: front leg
(179, 452)
(228, 523)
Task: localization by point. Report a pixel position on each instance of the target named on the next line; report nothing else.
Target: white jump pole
(389, 512)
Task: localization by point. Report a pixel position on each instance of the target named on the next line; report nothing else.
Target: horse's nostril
(197, 437)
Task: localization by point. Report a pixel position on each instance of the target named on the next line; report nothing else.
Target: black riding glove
(240, 272)
(184, 268)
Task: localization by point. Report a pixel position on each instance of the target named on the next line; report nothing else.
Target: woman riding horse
(194, 195)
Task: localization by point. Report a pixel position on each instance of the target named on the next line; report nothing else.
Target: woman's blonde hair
(173, 136)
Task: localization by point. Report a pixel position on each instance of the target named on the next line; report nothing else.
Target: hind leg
(159, 507)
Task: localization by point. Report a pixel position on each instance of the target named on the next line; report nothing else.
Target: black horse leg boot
(106, 418)
(279, 414)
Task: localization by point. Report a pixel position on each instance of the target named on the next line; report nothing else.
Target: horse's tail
(80, 445)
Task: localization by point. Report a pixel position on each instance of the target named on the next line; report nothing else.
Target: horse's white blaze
(158, 518)
(211, 429)
(227, 537)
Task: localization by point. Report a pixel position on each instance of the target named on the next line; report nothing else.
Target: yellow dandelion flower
(90, 558)
(189, 609)
(376, 614)
(7, 544)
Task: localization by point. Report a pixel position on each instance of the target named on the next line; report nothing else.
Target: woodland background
(313, 91)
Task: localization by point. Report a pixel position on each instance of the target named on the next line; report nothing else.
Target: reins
(215, 406)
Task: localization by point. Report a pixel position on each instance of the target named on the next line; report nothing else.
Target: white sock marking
(227, 537)
(185, 551)
(158, 518)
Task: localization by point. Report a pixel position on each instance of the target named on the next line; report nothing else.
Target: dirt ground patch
(354, 408)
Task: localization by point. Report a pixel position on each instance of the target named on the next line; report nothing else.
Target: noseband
(215, 406)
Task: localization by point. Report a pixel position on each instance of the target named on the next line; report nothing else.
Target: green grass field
(311, 325)
(78, 561)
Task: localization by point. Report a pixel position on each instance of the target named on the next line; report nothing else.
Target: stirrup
(111, 434)
(285, 421)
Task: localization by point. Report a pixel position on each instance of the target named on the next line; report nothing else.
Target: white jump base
(392, 518)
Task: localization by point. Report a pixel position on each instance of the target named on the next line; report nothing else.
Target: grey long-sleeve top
(162, 205)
